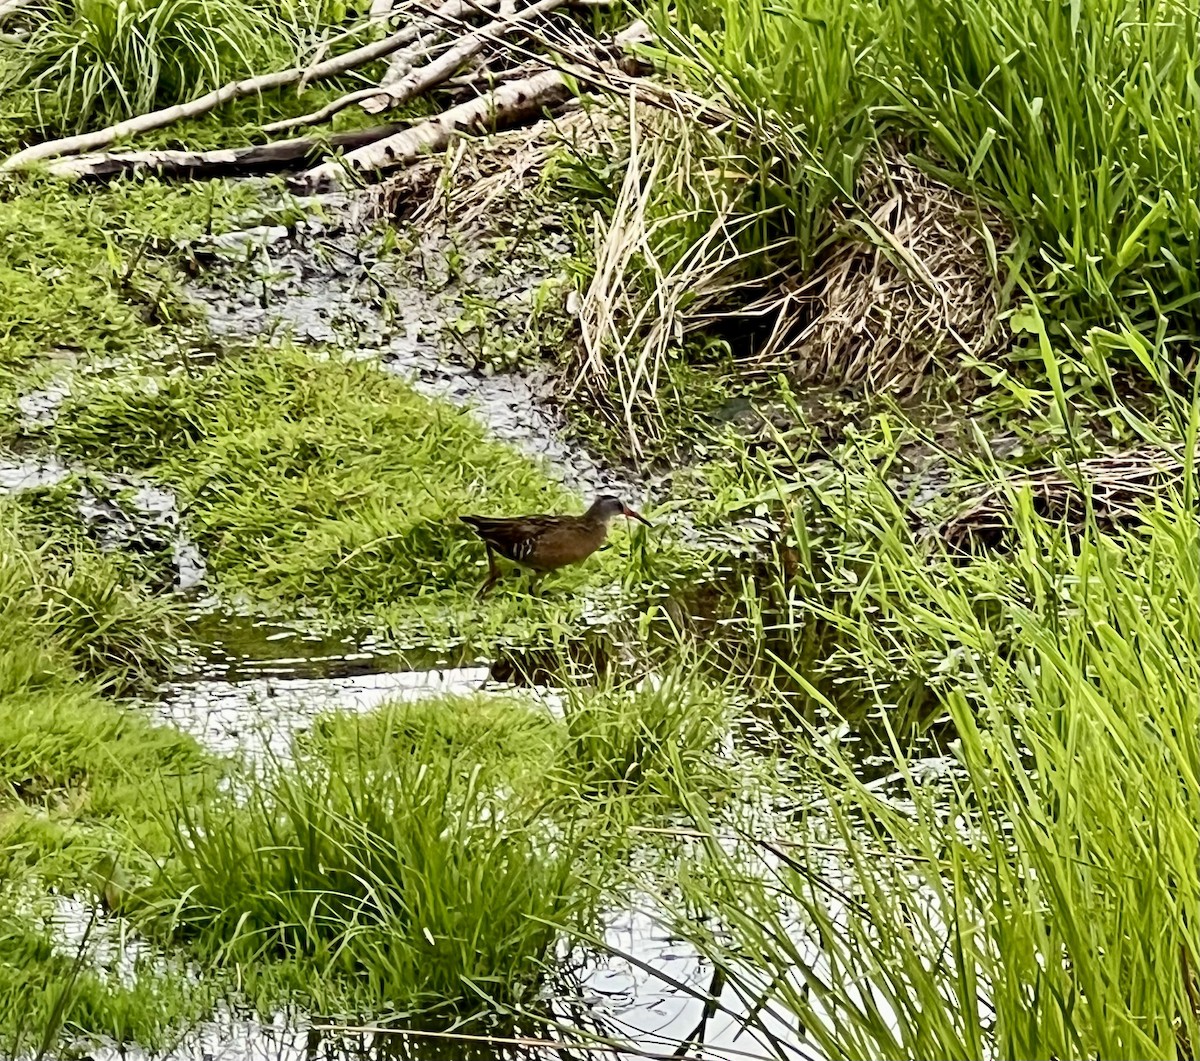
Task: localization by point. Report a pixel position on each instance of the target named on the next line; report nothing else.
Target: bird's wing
(515, 536)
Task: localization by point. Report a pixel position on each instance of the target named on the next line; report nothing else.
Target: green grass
(654, 736)
(1040, 902)
(101, 616)
(324, 483)
(405, 864)
(71, 626)
(75, 788)
(88, 63)
(83, 272)
(50, 997)
(427, 861)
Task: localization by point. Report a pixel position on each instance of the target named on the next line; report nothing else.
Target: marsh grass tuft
(653, 736)
(389, 866)
(90, 606)
(87, 63)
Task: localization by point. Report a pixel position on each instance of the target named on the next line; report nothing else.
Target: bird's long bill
(631, 514)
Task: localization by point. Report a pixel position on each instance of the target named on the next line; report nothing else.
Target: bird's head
(608, 508)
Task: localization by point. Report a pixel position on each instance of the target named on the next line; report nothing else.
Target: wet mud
(331, 283)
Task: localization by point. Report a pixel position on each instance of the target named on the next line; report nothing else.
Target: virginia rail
(545, 543)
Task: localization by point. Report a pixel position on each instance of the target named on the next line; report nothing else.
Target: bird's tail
(484, 526)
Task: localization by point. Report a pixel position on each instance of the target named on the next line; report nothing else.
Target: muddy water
(118, 511)
(250, 686)
(329, 284)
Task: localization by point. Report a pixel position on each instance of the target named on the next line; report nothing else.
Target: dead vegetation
(1114, 490)
(478, 184)
(909, 283)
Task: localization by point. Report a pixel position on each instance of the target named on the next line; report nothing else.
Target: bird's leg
(493, 574)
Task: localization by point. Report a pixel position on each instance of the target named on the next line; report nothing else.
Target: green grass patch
(428, 860)
(509, 741)
(389, 870)
(83, 272)
(99, 620)
(1012, 102)
(70, 627)
(652, 738)
(88, 63)
(50, 995)
(84, 781)
(322, 483)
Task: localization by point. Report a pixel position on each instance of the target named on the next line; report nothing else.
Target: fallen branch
(507, 105)
(401, 62)
(398, 66)
(339, 64)
(227, 162)
(11, 7)
(595, 67)
(428, 76)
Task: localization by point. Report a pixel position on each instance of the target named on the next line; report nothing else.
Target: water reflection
(650, 996)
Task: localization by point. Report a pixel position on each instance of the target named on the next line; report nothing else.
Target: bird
(546, 543)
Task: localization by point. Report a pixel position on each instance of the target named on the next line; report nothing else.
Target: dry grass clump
(909, 282)
(479, 181)
(1116, 489)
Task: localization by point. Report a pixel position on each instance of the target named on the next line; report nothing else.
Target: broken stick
(429, 76)
(507, 105)
(225, 162)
